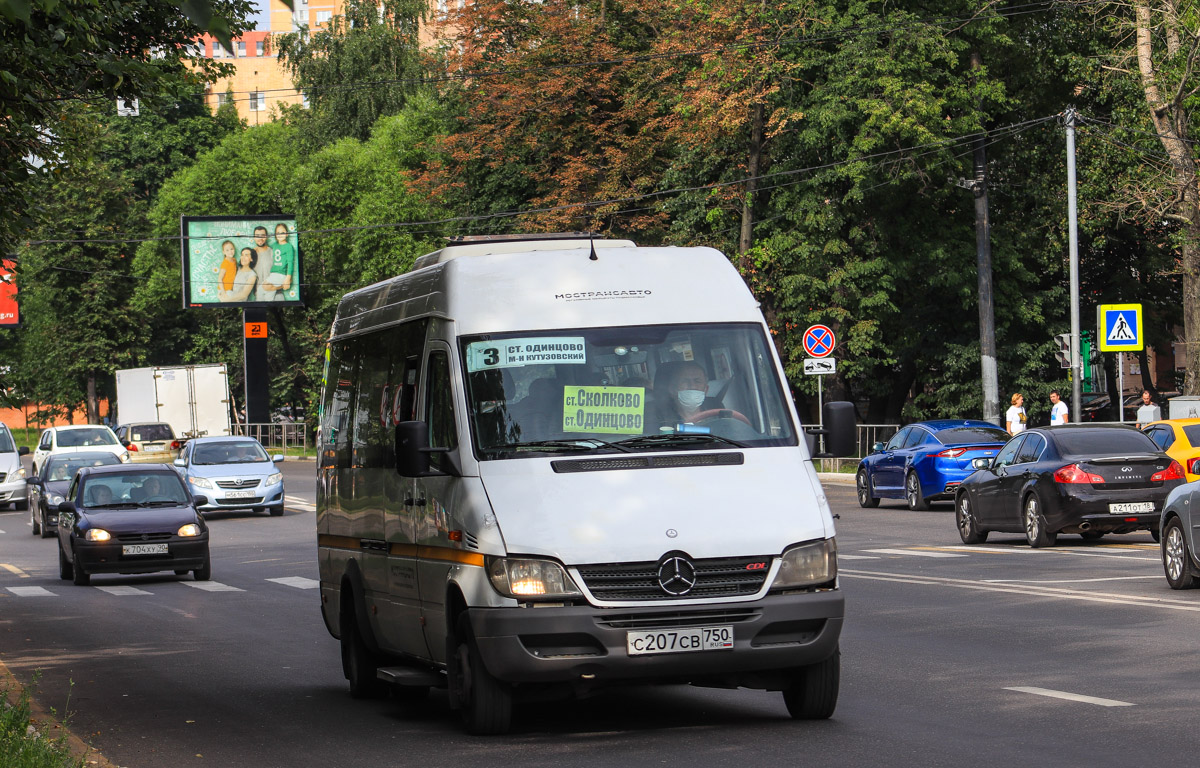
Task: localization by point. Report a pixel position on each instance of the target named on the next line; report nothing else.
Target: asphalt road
(990, 655)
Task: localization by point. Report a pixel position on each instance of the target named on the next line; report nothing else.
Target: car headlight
(98, 534)
(17, 474)
(191, 529)
(275, 478)
(200, 482)
(124, 456)
(806, 565)
(519, 578)
(55, 499)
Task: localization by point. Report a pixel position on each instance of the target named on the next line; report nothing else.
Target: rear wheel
(863, 483)
(912, 493)
(1177, 561)
(813, 694)
(1035, 525)
(1156, 535)
(80, 578)
(484, 702)
(359, 665)
(964, 516)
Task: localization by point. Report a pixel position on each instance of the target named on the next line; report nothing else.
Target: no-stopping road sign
(819, 341)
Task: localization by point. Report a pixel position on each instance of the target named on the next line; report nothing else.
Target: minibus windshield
(637, 388)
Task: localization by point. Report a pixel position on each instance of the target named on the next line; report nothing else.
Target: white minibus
(551, 464)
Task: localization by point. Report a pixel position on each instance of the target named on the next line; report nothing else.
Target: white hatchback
(96, 437)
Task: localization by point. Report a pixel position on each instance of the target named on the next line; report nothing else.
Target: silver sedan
(232, 473)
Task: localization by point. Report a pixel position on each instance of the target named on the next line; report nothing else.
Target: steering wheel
(720, 413)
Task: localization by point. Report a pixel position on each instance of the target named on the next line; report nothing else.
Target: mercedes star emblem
(676, 576)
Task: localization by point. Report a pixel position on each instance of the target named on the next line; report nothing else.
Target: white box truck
(193, 399)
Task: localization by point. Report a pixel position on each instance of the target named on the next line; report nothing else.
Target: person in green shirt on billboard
(278, 285)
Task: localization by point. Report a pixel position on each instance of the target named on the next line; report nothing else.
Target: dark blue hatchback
(926, 461)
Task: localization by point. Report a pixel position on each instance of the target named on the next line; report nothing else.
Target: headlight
(124, 456)
(275, 478)
(55, 499)
(191, 529)
(18, 474)
(530, 578)
(200, 482)
(806, 565)
(98, 534)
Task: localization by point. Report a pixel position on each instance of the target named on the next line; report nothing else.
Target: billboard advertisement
(10, 315)
(241, 261)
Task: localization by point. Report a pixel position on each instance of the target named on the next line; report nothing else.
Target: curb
(49, 727)
(835, 478)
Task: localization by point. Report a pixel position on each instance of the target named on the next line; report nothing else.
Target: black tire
(1035, 524)
(204, 572)
(65, 571)
(1092, 535)
(21, 506)
(863, 484)
(1177, 560)
(181, 573)
(80, 578)
(912, 493)
(484, 702)
(35, 520)
(813, 694)
(47, 531)
(1156, 535)
(964, 518)
(359, 665)
(276, 511)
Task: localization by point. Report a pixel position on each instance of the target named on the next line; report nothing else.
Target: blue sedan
(926, 461)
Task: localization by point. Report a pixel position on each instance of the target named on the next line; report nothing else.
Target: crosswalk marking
(123, 589)
(31, 592)
(299, 582)
(211, 586)
(1069, 696)
(913, 552)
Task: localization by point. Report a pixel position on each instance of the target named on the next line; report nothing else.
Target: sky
(261, 19)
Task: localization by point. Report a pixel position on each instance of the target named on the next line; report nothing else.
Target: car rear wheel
(813, 693)
(964, 516)
(484, 702)
(863, 483)
(912, 493)
(80, 578)
(1177, 561)
(1035, 525)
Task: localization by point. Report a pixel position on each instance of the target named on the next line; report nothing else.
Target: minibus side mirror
(840, 430)
(412, 452)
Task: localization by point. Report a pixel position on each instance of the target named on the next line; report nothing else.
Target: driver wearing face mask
(685, 394)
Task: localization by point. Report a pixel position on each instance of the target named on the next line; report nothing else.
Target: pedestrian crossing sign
(1119, 327)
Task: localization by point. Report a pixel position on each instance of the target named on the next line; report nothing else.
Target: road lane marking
(1068, 581)
(212, 586)
(31, 592)
(268, 560)
(856, 557)
(299, 582)
(1069, 696)
(124, 589)
(1026, 550)
(914, 553)
(14, 569)
(1029, 591)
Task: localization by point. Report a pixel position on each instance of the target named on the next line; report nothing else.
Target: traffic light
(1063, 353)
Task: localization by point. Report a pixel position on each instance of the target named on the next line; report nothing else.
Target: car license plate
(238, 494)
(143, 549)
(1136, 506)
(681, 640)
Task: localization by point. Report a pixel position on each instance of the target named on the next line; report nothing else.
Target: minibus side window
(335, 428)
(439, 405)
(373, 442)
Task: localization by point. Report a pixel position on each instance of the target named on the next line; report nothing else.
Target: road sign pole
(1073, 230)
(1121, 386)
(820, 412)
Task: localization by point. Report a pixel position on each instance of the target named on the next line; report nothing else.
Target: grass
(21, 746)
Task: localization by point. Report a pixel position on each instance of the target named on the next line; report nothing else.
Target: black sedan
(48, 488)
(131, 519)
(1085, 479)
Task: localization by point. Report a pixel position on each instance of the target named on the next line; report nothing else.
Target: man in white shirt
(1058, 409)
(1015, 418)
(1147, 411)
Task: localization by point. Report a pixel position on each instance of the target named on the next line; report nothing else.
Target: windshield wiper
(550, 445)
(113, 505)
(159, 502)
(678, 438)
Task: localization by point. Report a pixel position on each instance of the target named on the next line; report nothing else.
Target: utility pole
(1073, 229)
(983, 257)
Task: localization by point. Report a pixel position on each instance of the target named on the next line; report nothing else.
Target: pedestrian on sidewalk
(1015, 418)
(1058, 409)
(1147, 411)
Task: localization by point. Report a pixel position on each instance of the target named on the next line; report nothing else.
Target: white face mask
(690, 398)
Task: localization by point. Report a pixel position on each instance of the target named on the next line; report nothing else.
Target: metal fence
(283, 436)
(868, 435)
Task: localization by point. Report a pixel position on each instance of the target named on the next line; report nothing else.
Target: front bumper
(13, 490)
(586, 646)
(261, 497)
(184, 554)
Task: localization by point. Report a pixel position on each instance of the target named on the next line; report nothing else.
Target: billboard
(10, 315)
(241, 261)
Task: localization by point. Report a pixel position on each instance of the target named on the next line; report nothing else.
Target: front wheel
(80, 578)
(37, 526)
(968, 526)
(484, 702)
(1035, 525)
(1177, 561)
(912, 493)
(863, 483)
(276, 511)
(22, 505)
(47, 531)
(813, 693)
(204, 572)
(65, 570)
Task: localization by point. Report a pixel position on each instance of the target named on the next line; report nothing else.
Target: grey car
(1178, 540)
(232, 473)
